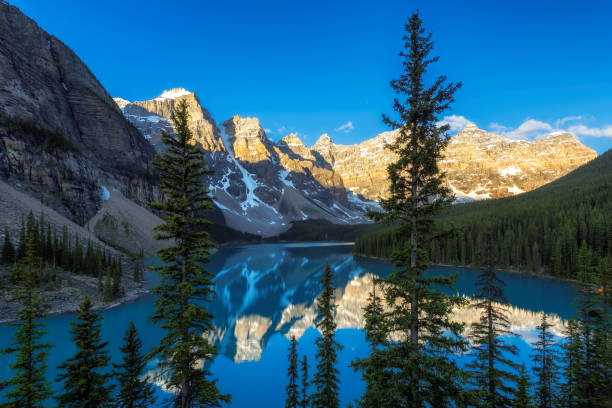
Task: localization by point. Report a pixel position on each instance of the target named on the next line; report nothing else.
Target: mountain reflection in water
(264, 290)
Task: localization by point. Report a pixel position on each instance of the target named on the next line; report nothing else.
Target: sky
(527, 68)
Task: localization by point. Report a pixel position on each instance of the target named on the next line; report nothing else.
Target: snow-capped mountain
(262, 186)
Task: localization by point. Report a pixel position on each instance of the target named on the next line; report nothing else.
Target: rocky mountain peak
(122, 103)
(248, 127)
(173, 94)
(324, 140)
(292, 140)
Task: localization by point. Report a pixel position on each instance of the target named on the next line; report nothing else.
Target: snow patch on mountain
(172, 94)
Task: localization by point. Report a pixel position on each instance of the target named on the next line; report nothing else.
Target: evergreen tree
(137, 272)
(85, 384)
(135, 391)
(545, 366)
(419, 365)
(490, 369)
(8, 250)
(568, 397)
(304, 401)
(522, 398)
(378, 386)
(326, 380)
(186, 287)
(292, 372)
(21, 249)
(108, 288)
(28, 387)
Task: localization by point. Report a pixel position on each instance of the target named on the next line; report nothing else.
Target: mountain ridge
(286, 181)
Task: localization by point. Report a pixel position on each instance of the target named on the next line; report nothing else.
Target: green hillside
(562, 228)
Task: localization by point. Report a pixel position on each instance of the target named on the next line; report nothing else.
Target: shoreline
(510, 270)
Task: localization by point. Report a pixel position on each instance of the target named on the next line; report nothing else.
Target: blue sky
(527, 67)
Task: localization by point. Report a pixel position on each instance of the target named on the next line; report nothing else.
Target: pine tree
(304, 401)
(292, 372)
(21, 249)
(85, 384)
(135, 391)
(522, 398)
(568, 397)
(490, 370)
(545, 366)
(28, 387)
(107, 293)
(326, 380)
(378, 387)
(137, 273)
(419, 364)
(8, 250)
(186, 287)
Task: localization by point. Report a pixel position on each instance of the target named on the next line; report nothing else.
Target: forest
(561, 229)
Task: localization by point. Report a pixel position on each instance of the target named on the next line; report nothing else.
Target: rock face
(262, 186)
(61, 135)
(478, 164)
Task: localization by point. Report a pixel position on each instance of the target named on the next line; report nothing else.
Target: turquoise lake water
(265, 294)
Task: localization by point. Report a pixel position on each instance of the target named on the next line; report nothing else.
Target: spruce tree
(292, 372)
(304, 400)
(492, 368)
(378, 388)
(8, 250)
(21, 249)
(572, 355)
(186, 287)
(85, 382)
(420, 364)
(28, 388)
(135, 391)
(545, 366)
(522, 398)
(326, 380)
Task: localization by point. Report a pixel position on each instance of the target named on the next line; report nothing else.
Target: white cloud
(529, 130)
(560, 122)
(583, 130)
(281, 130)
(456, 122)
(267, 130)
(346, 128)
(498, 127)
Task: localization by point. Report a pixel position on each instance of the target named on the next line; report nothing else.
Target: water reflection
(265, 290)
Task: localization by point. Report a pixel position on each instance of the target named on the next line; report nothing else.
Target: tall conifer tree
(492, 368)
(420, 364)
(8, 250)
(135, 390)
(85, 382)
(522, 399)
(28, 388)
(186, 287)
(292, 372)
(304, 400)
(378, 392)
(545, 366)
(326, 380)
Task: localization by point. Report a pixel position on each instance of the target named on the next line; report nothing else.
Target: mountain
(551, 229)
(262, 187)
(61, 134)
(478, 164)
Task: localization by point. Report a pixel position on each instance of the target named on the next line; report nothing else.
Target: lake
(265, 294)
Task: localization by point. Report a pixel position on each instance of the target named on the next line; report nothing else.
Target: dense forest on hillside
(563, 228)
